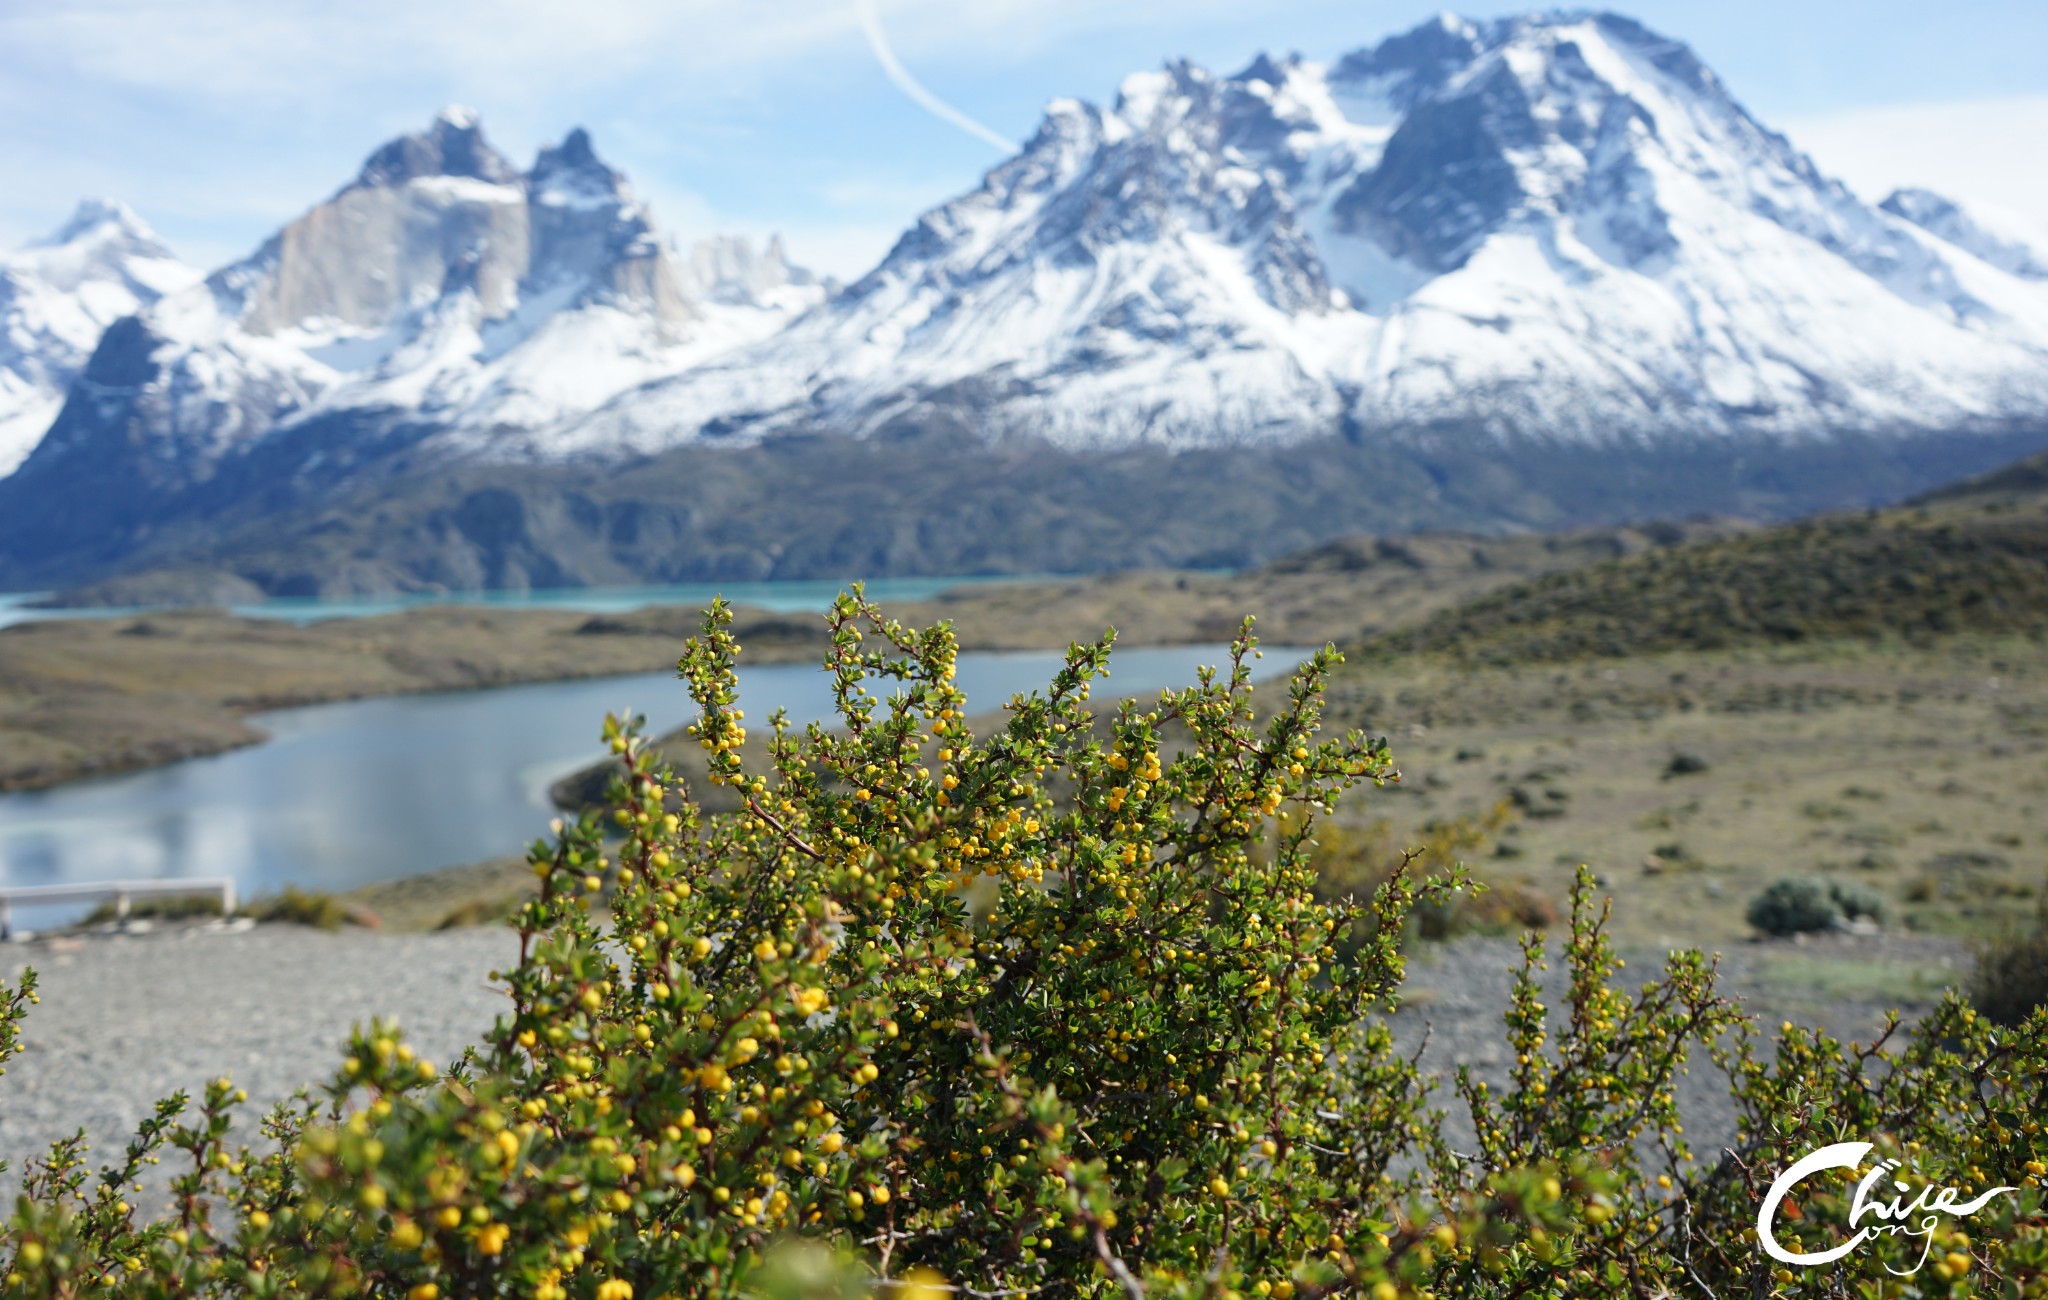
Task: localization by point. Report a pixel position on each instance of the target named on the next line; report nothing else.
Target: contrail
(878, 41)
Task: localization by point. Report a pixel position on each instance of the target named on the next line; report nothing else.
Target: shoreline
(87, 697)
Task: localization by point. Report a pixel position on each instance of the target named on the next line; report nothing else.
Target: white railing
(121, 891)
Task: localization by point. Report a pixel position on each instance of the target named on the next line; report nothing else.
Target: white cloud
(1990, 150)
(296, 50)
(219, 119)
(293, 50)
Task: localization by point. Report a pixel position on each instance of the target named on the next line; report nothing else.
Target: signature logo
(1907, 1212)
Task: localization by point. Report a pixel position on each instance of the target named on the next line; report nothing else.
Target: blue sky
(221, 119)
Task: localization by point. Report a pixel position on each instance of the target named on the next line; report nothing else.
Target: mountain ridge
(1551, 226)
(1492, 250)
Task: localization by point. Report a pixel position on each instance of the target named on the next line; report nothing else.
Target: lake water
(350, 793)
(780, 596)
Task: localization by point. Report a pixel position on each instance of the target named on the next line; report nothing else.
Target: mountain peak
(576, 149)
(1552, 226)
(733, 270)
(103, 240)
(1268, 69)
(452, 145)
(572, 174)
(1416, 62)
(99, 219)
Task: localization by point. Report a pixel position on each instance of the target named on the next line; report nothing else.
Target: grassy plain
(1862, 694)
(1690, 780)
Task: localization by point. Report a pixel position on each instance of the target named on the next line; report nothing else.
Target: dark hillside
(2019, 482)
(1977, 563)
(924, 502)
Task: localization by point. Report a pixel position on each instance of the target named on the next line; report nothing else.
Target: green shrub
(789, 1060)
(297, 906)
(172, 907)
(1685, 763)
(1803, 904)
(1794, 905)
(1857, 902)
(2010, 982)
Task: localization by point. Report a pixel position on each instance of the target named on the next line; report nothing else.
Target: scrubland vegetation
(1051, 1008)
(1906, 575)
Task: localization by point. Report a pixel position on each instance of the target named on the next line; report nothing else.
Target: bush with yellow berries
(1060, 1009)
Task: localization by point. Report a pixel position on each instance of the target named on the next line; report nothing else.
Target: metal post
(122, 892)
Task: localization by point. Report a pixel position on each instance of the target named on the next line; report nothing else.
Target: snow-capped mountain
(1517, 273)
(56, 297)
(1559, 227)
(442, 290)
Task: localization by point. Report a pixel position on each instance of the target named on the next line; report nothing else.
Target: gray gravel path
(125, 1020)
(1455, 994)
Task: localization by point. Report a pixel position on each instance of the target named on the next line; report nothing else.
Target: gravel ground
(1455, 994)
(126, 1019)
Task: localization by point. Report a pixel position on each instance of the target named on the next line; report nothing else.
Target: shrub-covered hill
(1972, 562)
(2019, 483)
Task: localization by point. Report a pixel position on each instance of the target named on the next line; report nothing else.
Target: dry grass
(1917, 772)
